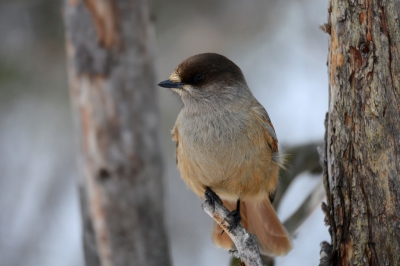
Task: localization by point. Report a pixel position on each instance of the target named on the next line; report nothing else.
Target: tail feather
(259, 219)
(220, 239)
(264, 223)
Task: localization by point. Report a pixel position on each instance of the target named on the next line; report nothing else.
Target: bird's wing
(175, 137)
(264, 119)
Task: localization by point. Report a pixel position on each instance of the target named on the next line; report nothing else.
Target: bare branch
(302, 158)
(306, 208)
(246, 244)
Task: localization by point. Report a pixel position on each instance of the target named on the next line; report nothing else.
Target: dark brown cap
(204, 69)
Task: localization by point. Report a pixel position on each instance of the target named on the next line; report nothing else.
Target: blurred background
(277, 44)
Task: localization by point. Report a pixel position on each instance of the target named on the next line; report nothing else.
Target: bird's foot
(234, 220)
(234, 217)
(212, 197)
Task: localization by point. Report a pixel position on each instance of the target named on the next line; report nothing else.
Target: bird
(227, 148)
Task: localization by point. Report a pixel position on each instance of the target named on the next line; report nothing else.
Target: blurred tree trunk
(110, 63)
(362, 159)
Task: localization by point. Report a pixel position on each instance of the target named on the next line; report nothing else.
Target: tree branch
(246, 244)
(306, 208)
(301, 158)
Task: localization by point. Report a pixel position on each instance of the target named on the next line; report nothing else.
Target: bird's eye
(198, 77)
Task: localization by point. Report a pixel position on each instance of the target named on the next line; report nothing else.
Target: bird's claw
(212, 197)
(234, 219)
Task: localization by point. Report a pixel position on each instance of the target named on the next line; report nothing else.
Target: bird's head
(207, 77)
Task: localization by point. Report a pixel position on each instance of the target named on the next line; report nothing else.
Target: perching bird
(225, 143)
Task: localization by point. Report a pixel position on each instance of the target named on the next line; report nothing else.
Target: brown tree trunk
(110, 63)
(362, 159)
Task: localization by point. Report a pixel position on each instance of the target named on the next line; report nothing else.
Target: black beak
(169, 84)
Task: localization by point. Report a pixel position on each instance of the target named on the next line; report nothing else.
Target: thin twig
(306, 208)
(300, 159)
(246, 244)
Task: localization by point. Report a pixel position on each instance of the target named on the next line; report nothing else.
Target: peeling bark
(112, 81)
(363, 133)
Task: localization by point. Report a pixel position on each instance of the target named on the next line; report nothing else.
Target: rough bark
(362, 159)
(109, 47)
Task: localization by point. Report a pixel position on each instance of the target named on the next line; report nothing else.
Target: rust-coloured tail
(258, 218)
(264, 223)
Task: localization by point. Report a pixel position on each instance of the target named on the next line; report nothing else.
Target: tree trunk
(362, 159)
(110, 62)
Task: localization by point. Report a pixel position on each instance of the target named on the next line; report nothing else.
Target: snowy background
(278, 46)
